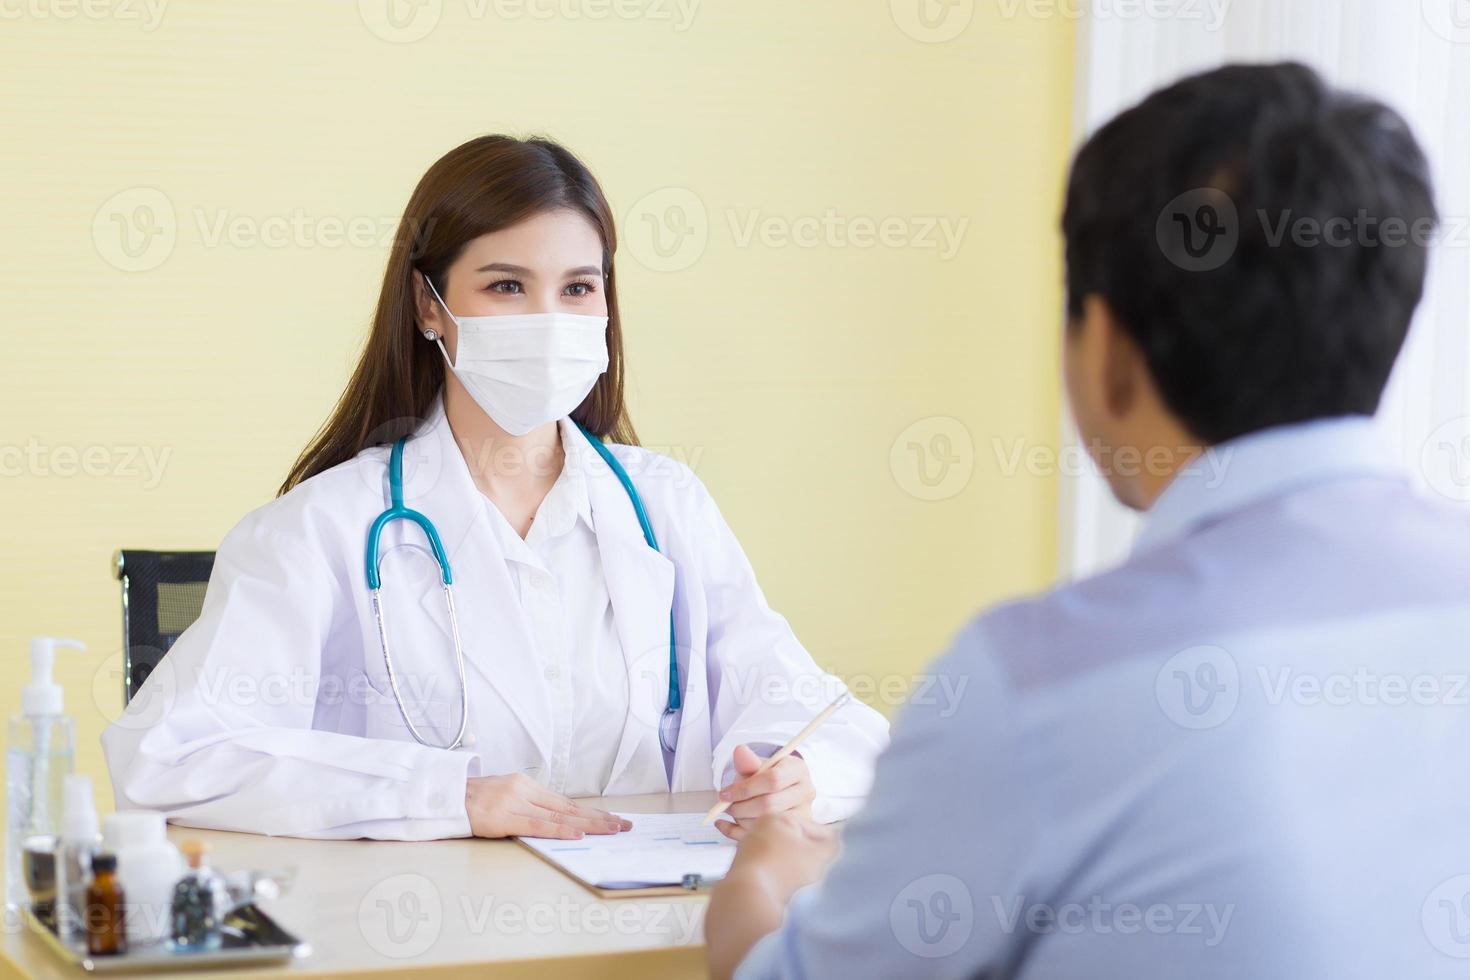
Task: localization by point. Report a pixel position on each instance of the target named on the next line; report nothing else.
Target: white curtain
(1413, 55)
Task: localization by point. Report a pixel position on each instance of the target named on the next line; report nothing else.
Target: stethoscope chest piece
(668, 729)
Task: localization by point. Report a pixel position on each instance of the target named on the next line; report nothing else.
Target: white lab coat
(273, 713)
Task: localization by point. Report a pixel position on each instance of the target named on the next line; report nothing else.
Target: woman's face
(549, 263)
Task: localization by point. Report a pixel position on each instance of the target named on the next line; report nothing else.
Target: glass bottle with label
(103, 916)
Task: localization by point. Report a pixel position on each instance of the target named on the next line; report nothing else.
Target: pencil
(784, 751)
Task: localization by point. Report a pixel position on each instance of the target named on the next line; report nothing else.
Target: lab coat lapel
(640, 585)
(496, 644)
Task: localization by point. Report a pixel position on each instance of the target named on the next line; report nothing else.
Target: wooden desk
(443, 908)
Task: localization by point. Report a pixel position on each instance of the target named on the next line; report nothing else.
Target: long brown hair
(489, 183)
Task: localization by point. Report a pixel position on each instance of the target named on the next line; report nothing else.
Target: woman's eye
(509, 287)
(580, 289)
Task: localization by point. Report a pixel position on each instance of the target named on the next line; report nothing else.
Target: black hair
(1261, 237)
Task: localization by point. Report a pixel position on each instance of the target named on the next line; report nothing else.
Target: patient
(1241, 754)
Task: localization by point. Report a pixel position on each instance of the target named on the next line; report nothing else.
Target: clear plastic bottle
(199, 904)
(38, 758)
(80, 841)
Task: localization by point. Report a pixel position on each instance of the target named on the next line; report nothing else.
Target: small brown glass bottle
(104, 917)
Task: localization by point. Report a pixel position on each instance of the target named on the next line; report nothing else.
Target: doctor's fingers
(788, 772)
(795, 797)
(519, 825)
(556, 803)
(595, 822)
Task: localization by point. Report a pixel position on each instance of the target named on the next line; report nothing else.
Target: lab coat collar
(1260, 466)
(437, 482)
(640, 586)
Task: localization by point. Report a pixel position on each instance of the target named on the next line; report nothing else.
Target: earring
(431, 334)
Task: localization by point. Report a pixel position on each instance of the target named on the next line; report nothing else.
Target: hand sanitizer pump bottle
(37, 762)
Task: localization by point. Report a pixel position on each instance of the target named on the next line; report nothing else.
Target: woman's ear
(426, 307)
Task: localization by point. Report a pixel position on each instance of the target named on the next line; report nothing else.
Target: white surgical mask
(527, 369)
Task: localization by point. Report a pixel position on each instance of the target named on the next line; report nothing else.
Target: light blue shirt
(1243, 754)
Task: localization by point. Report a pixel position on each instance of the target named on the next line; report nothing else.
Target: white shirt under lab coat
(273, 713)
(559, 583)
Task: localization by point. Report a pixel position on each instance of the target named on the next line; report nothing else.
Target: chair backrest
(162, 594)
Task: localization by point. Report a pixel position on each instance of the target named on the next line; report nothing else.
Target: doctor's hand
(518, 806)
(786, 787)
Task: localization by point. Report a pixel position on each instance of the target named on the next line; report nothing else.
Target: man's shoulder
(1331, 553)
(1063, 632)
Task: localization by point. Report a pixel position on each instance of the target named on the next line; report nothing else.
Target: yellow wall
(792, 376)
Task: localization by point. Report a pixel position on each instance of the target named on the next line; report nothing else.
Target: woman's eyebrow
(520, 270)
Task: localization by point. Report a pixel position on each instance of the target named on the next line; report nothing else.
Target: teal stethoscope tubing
(396, 511)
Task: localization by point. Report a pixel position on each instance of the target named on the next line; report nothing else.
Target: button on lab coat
(273, 712)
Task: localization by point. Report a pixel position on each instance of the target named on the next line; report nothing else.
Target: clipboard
(702, 887)
(665, 835)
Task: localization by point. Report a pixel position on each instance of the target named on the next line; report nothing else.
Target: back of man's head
(1261, 237)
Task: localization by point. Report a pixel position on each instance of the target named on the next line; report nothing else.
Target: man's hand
(518, 806)
(778, 855)
(784, 788)
(788, 851)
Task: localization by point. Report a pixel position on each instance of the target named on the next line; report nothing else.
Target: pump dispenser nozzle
(43, 696)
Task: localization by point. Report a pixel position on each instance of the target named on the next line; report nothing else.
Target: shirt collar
(565, 502)
(574, 471)
(1262, 465)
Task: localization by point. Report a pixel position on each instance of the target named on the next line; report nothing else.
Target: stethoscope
(668, 723)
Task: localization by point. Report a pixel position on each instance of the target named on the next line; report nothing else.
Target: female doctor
(458, 616)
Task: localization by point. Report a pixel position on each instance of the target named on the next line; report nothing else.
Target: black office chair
(162, 594)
